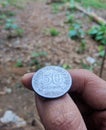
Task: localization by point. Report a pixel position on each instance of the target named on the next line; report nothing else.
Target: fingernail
(27, 75)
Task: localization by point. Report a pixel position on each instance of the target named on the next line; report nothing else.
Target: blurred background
(37, 33)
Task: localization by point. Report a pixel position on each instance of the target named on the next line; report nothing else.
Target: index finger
(91, 88)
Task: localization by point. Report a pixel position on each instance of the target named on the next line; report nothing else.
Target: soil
(36, 18)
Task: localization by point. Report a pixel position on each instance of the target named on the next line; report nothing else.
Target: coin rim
(47, 97)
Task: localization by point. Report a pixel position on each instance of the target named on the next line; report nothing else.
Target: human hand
(84, 107)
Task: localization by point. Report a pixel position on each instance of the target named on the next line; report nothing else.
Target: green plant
(10, 13)
(36, 59)
(76, 32)
(103, 62)
(13, 28)
(7, 20)
(17, 3)
(53, 32)
(19, 32)
(93, 3)
(65, 1)
(66, 66)
(4, 3)
(98, 33)
(39, 54)
(10, 24)
(101, 50)
(82, 47)
(19, 63)
(55, 8)
(72, 4)
(70, 19)
(34, 62)
(88, 67)
(3, 16)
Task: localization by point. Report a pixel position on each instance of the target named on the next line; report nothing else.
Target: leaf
(82, 33)
(3, 17)
(7, 26)
(73, 34)
(103, 41)
(98, 38)
(5, 3)
(66, 66)
(99, 33)
(102, 53)
(72, 4)
(35, 54)
(100, 48)
(77, 26)
(54, 32)
(93, 31)
(20, 32)
(9, 21)
(19, 63)
(70, 19)
(14, 26)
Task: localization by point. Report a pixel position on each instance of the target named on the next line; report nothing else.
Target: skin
(83, 108)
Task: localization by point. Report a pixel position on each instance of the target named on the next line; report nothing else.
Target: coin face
(51, 82)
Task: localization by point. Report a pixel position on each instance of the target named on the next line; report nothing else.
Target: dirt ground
(35, 18)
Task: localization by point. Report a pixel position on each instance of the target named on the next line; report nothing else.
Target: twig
(90, 14)
(103, 62)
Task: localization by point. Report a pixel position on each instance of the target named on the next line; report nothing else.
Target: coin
(51, 82)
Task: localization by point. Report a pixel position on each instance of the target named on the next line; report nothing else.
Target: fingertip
(26, 80)
(61, 113)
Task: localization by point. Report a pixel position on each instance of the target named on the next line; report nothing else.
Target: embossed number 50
(52, 78)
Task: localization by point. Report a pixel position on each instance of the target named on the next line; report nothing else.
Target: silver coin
(51, 82)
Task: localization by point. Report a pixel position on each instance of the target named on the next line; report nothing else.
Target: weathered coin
(51, 82)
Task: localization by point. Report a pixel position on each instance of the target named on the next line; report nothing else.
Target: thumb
(60, 114)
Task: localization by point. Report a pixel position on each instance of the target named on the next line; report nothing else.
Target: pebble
(90, 60)
(8, 90)
(10, 117)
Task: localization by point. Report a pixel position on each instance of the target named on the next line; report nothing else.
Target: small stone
(8, 90)
(90, 60)
(10, 117)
